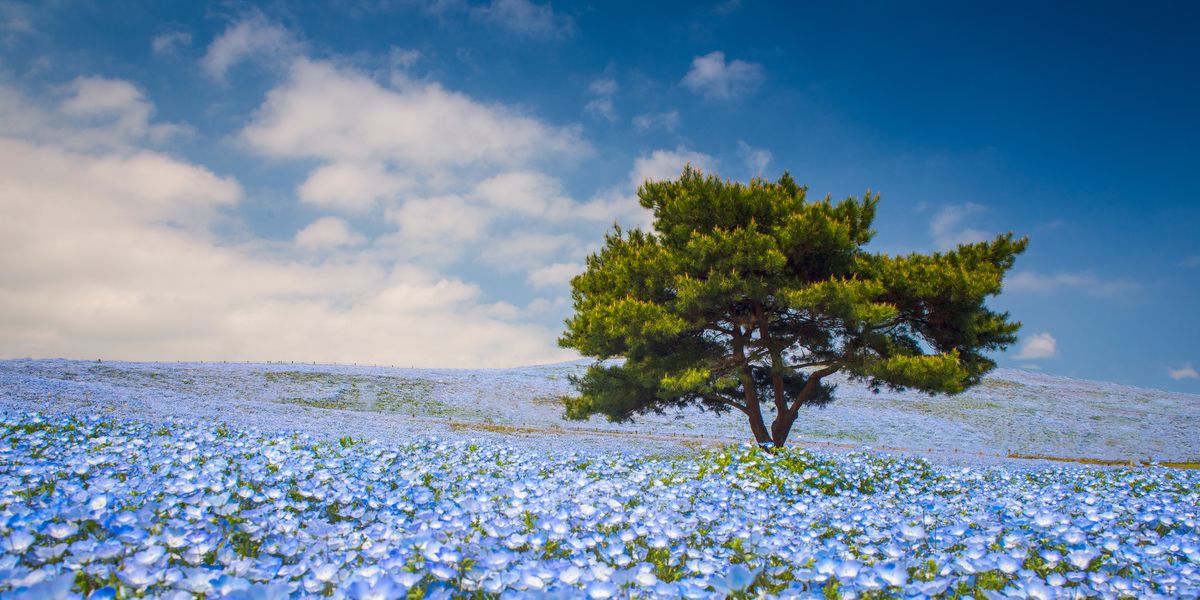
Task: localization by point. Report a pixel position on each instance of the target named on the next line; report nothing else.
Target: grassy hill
(1011, 412)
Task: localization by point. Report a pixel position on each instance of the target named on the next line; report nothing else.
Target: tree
(747, 294)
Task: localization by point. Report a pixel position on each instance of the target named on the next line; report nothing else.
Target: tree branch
(723, 400)
(810, 386)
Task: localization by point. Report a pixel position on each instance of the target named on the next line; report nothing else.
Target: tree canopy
(745, 295)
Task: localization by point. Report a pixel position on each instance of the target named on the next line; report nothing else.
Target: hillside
(1012, 411)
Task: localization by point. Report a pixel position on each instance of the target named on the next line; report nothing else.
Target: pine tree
(746, 295)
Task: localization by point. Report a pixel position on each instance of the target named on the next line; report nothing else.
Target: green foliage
(347, 441)
(750, 294)
(792, 471)
(991, 580)
(831, 590)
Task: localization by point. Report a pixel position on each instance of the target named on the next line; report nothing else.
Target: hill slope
(1012, 411)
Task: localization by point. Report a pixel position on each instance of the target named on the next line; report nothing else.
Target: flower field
(1021, 412)
(120, 508)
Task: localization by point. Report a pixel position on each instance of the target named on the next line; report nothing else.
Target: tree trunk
(777, 367)
(759, 428)
(782, 425)
(753, 412)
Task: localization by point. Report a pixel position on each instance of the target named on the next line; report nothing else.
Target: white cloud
(948, 227)
(529, 250)
(1192, 261)
(1184, 372)
(48, 183)
(620, 203)
(117, 103)
(666, 121)
(442, 165)
(108, 253)
(602, 107)
(601, 104)
(16, 18)
(403, 58)
(1037, 346)
(352, 187)
(541, 306)
(668, 164)
(114, 253)
(89, 113)
(715, 79)
(1028, 281)
(437, 229)
(167, 41)
(96, 96)
(757, 159)
(418, 124)
(617, 205)
(603, 87)
(727, 7)
(326, 233)
(523, 17)
(556, 274)
(253, 38)
(527, 193)
(21, 116)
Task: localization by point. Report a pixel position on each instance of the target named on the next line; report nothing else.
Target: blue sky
(413, 183)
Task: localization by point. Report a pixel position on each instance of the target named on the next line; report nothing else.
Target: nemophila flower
(847, 569)
(1080, 559)
(893, 573)
(1045, 519)
(934, 587)
(54, 587)
(912, 532)
(44, 554)
(600, 590)
(498, 520)
(98, 502)
(383, 588)
(60, 531)
(18, 542)
(737, 579)
(1008, 564)
(137, 577)
(149, 556)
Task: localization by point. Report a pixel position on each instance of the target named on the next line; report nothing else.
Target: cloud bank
(107, 250)
(111, 246)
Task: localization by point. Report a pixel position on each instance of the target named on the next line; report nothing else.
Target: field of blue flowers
(1010, 411)
(119, 508)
